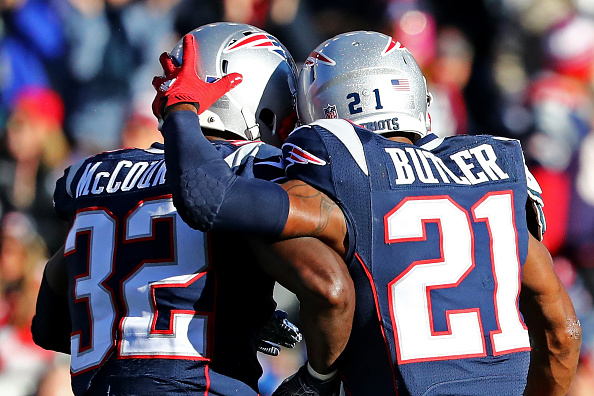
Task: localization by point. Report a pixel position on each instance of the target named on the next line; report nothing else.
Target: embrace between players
(417, 260)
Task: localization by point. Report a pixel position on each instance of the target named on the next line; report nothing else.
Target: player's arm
(51, 326)
(320, 279)
(553, 326)
(209, 196)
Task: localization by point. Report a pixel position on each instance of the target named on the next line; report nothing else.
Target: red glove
(182, 85)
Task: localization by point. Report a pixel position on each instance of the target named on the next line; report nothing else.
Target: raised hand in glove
(181, 84)
(278, 331)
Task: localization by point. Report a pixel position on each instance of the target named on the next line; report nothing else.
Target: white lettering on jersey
(125, 176)
(145, 179)
(112, 185)
(424, 172)
(404, 172)
(442, 169)
(486, 157)
(134, 175)
(83, 184)
(413, 164)
(96, 188)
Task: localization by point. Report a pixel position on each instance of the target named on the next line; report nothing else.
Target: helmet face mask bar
(367, 78)
(257, 107)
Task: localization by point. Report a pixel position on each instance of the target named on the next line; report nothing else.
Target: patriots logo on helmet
(392, 45)
(316, 56)
(299, 156)
(258, 40)
(330, 111)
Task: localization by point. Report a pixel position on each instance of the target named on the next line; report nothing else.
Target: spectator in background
(31, 43)
(35, 146)
(140, 131)
(557, 105)
(109, 64)
(55, 381)
(567, 121)
(22, 257)
(292, 21)
(448, 75)
(446, 57)
(580, 238)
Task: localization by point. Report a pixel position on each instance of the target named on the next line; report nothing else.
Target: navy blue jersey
(439, 234)
(148, 295)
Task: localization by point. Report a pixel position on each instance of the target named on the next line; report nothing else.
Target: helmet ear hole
(268, 118)
(224, 66)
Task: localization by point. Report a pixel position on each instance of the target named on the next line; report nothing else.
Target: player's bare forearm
(553, 326)
(554, 357)
(321, 281)
(313, 213)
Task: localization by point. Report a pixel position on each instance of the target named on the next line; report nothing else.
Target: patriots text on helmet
(389, 124)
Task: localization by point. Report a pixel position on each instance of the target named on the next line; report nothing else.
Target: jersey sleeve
(535, 218)
(62, 197)
(208, 194)
(65, 191)
(51, 324)
(306, 158)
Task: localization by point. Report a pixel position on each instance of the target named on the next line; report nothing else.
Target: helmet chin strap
(252, 130)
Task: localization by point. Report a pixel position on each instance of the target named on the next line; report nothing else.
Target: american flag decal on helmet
(258, 40)
(300, 156)
(392, 45)
(400, 84)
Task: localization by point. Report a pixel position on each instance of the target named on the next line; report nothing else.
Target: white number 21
(409, 293)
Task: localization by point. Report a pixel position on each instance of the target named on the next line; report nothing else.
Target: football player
(455, 292)
(156, 307)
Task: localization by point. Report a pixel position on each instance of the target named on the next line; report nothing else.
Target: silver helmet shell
(368, 78)
(256, 108)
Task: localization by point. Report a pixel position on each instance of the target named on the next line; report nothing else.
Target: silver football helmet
(264, 102)
(368, 78)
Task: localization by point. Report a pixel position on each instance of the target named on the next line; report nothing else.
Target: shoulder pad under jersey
(305, 158)
(535, 203)
(534, 206)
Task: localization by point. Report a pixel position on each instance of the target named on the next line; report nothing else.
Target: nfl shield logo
(330, 111)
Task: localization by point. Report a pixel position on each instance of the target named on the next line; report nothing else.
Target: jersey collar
(429, 142)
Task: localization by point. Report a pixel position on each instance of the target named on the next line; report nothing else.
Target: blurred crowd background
(75, 80)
